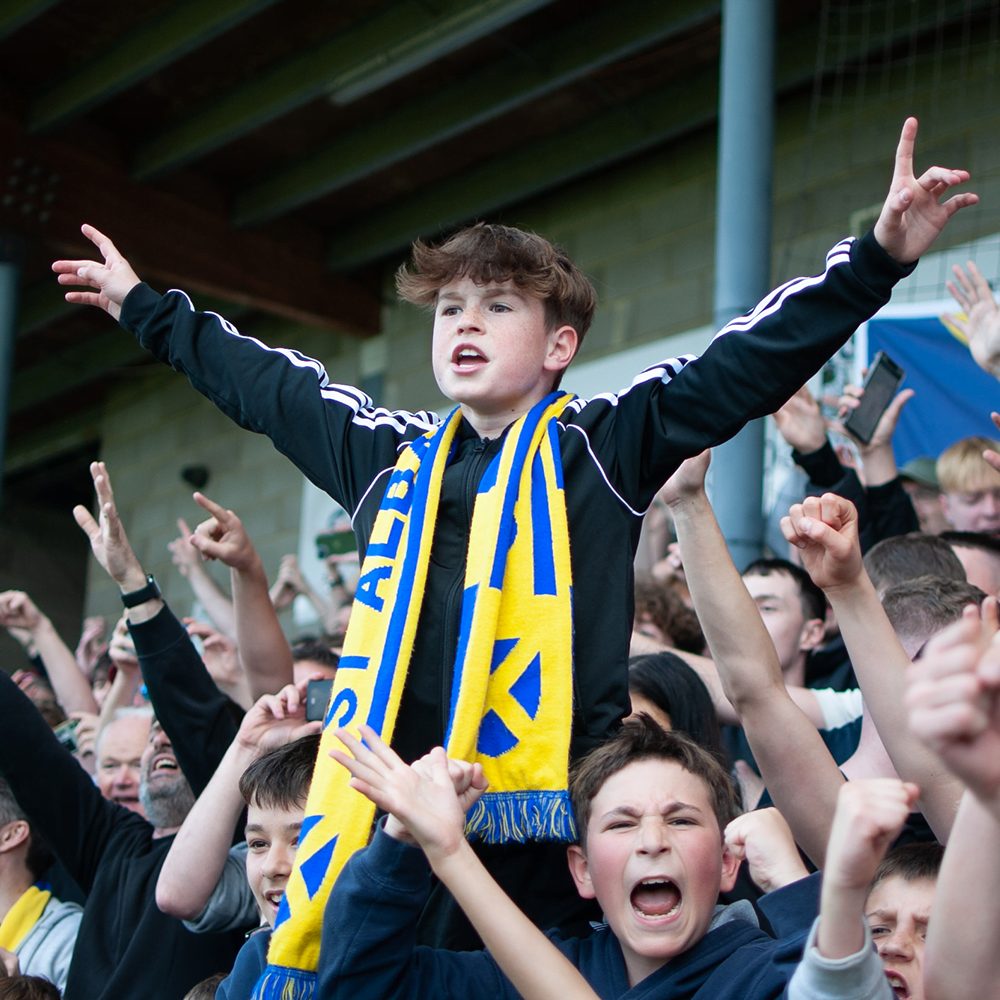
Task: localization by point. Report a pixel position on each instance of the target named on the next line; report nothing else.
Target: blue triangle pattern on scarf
(308, 823)
(501, 649)
(283, 912)
(527, 689)
(494, 736)
(315, 867)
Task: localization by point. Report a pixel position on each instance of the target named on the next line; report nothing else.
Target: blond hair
(961, 467)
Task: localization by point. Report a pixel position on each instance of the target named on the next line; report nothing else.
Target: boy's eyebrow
(632, 811)
(257, 827)
(488, 293)
(886, 912)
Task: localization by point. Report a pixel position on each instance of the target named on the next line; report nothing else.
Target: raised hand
(288, 584)
(427, 801)
(982, 323)
(91, 644)
(800, 422)
(112, 277)
(18, 611)
(953, 701)
(121, 649)
(688, 481)
(223, 537)
(886, 426)
(276, 719)
(764, 840)
(183, 554)
(107, 536)
(218, 652)
(825, 530)
(870, 813)
(913, 216)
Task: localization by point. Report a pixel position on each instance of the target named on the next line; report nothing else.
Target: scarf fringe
(279, 982)
(505, 817)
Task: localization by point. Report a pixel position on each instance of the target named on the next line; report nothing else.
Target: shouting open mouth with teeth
(898, 984)
(656, 898)
(466, 358)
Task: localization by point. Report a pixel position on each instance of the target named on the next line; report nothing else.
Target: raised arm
(71, 687)
(427, 804)
(796, 766)
(825, 530)
(218, 605)
(275, 392)
(839, 959)
(198, 854)
(263, 648)
(199, 719)
(758, 360)
(954, 707)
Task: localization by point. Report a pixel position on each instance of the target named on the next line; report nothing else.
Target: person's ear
(730, 869)
(580, 870)
(563, 342)
(13, 835)
(812, 634)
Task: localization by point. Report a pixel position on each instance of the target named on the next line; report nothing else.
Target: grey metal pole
(743, 243)
(10, 273)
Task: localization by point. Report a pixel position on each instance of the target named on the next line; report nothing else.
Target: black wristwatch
(148, 593)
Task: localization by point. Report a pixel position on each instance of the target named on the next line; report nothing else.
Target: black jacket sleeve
(200, 720)
(334, 433)
(58, 796)
(683, 405)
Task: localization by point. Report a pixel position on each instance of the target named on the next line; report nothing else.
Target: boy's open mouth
(655, 897)
(466, 358)
(897, 984)
(274, 896)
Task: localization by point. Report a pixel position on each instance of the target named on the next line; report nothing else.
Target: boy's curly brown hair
(493, 254)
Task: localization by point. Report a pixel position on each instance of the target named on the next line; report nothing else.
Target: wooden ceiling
(271, 154)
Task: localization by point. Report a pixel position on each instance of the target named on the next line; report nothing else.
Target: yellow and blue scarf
(23, 915)
(511, 698)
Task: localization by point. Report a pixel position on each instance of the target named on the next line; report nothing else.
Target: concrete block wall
(157, 425)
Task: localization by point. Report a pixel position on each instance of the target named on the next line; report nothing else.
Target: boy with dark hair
(28, 988)
(651, 808)
(434, 503)
(868, 941)
(275, 788)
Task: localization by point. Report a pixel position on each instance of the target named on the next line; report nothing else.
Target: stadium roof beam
(396, 42)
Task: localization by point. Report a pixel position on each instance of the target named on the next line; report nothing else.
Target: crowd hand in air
(981, 325)
(109, 279)
(427, 801)
(913, 214)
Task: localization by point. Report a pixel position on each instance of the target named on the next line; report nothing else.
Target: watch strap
(148, 593)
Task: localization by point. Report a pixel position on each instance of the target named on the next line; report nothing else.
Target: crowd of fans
(833, 708)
